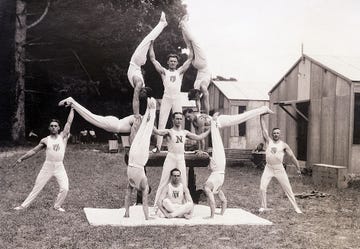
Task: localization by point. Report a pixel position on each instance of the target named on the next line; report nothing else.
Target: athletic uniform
(274, 168)
(53, 166)
(171, 99)
(174, 159)
(223, 121)
(138, 59)
(139, 150)
(107, 123)
(218, 160)
(203, 76)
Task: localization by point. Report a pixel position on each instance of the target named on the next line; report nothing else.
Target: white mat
(114, 217)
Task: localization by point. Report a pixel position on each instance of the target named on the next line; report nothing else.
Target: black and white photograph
(179, 124)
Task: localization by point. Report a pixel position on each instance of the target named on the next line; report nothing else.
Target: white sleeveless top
(55, 149)
(176, 194)
(176, 142)
(275, 152)
(172, 83)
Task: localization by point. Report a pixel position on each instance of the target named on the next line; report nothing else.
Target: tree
(21, 28)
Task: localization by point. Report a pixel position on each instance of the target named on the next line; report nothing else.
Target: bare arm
(187, 63)
(264, 130)
(187, 195)
(31, 152)
(66, 131)
(198, 137)
(135, 101)
(292, 157)
(157, 65)
(160, 200)
(160, 132)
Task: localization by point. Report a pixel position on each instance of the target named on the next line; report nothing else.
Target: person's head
(177, 119)
(276, 134)
(54, 126)
(188, 114)
(194, 94)
(260, 147)
(172, 61)
(145, 92)
(175, 176)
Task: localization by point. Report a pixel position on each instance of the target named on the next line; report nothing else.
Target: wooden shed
(233, 97)
(317, 105)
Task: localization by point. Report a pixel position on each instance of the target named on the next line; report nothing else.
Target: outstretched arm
(157, 64)
(198, 137)
(187, 63)
(66, 131)
(292, 157)
(31, 152)
(264, 130)
(160, 132)
(135, 101)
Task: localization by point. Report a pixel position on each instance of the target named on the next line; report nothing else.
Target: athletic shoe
(60, 209)
(19, 208)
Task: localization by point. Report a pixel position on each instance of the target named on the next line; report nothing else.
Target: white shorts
(202, 77)
(216, 179)
(135, 176)
(134, 70)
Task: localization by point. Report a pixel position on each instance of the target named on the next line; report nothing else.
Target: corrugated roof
(348, 66)
(236, 90)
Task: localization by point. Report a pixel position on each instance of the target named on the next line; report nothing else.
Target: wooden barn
(233, 97)
(317, 105)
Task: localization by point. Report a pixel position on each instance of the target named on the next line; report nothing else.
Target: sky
(257, 41)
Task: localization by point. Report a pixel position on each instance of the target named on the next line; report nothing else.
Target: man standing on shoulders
(172, 80)
(275, 151)
(176, 138)
(55, 145)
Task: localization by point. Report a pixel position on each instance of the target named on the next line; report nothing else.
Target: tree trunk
(18, 127)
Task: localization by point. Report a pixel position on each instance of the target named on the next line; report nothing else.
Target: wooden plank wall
(314, 126)
(327, 117)
(342, 133)
(292, 94)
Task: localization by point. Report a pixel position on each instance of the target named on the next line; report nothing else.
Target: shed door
(302, 131)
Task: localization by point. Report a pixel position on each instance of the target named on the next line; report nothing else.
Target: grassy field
(98, 179)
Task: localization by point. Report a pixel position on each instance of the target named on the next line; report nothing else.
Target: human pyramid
(172, 198)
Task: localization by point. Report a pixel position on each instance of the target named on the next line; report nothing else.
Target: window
(356, 134)
(221, 101)
(242, 126)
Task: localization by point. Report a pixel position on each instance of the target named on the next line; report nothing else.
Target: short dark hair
(173, 170)
(194, 94)
(276, 128)
(173, 56)
(189, 110)
(173, 115)
(55, 120)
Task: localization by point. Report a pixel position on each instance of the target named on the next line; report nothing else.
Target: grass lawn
(98, 179)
